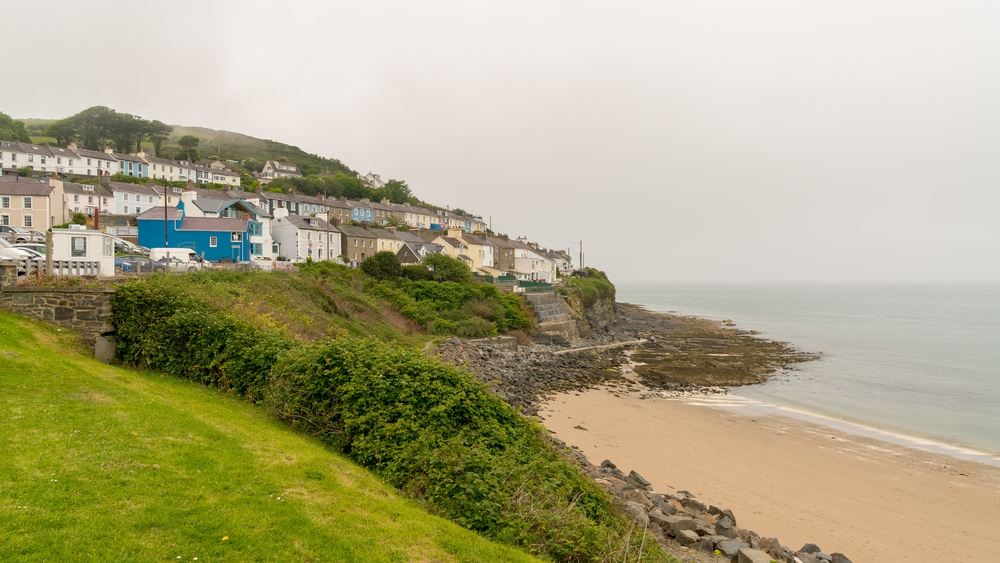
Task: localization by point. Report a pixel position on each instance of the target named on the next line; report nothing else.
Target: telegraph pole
(166, 240)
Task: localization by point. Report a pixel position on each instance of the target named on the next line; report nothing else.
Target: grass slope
(104, 463)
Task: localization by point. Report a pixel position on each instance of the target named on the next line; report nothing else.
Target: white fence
(61, 267)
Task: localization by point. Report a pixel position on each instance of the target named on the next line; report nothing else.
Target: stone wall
(87, 310)
(555, 320)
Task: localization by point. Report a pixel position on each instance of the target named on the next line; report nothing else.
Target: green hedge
(424, 426)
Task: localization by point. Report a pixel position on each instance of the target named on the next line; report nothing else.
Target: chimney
(385, 201)
(246, 216)
(105, 178)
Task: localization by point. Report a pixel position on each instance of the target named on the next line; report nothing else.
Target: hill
(250, 152)
(105, 463)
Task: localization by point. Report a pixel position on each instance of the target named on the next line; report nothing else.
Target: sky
(671, 141)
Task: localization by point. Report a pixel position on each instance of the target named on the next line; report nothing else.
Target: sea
(917, 365)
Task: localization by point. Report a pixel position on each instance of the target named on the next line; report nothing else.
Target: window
(88, 162)
(355, 243)
(4, 219)
(13, 157)
(90, 199)
(236, 237)
(78, 246)
(43, 160)
(256, 249)
(27, 202)
(213, 241)
(31, 158)
(138, 210)
(138, 197)
(150, 199)
(126, 209)
(58, 160)
(76, 198)
(5, 202)
(105, 201)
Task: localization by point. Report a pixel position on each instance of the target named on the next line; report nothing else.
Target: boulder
(639, 482)
(730, 548)
(680, 524)
(636, 496)
(839, 558)
(748, 555)
(686, 537)
(638, 513)
(810, 548)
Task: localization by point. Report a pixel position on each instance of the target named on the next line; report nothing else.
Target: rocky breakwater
(706, 533)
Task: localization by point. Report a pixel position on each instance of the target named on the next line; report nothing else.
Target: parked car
(20, 234)
(9, 252)
(126, 247)
(138, 263)
(181, 259)
(34, 246)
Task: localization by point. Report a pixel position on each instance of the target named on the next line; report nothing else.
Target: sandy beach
(787, 478)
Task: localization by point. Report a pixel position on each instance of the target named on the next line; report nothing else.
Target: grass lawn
(102, 463)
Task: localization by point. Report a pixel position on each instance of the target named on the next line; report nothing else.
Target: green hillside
(103, 463)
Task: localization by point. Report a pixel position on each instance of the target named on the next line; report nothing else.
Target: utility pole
(166, 239)
(581, 254)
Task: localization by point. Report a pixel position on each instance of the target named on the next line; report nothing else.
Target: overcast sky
(699, 140)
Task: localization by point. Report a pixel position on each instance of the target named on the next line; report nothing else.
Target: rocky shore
(630, 350)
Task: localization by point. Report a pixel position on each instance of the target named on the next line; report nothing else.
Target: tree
(446, 268)
(13, 129)
(383, 265)
(189, 144)
(397, 191)
(158, 132)
(63, 130)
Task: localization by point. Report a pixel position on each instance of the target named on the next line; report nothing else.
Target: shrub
(438, 434)
(383, 265)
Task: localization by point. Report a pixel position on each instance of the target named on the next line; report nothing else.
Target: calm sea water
(917, 361)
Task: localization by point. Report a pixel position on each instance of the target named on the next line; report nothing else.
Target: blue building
(214, 238)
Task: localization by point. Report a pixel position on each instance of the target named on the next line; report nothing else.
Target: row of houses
(76, 161)
(241, 225)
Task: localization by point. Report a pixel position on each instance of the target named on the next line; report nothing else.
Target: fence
(61, 267)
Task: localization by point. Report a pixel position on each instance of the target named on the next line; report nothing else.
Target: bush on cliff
(589, 285)
(424, 426)
(439, 435)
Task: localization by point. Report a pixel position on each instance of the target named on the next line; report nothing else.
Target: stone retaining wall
(87, 310)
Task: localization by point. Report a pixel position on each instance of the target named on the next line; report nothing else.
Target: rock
(686, 537)
(747, 555)
(806, 558)
(639, 481)
(679, 524)
(636, 496)
(638, 513)
(810, 548)
(839, 558)
(608, 465)
(730, 548)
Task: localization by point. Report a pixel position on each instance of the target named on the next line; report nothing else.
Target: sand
(800, 482)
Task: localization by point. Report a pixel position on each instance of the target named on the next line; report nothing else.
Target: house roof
(20, 186)
(452, 241)
(156, 214)
(133, 188)
(71, 188)
(475, 239)
(353, 231)
(307, 223)
(213, 224)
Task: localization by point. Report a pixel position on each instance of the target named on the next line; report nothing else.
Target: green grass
(102, 463)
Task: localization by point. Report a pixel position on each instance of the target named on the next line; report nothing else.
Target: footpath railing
(61, 267)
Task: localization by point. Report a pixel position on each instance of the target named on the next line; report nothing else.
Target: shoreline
(781, 476)
(929, 445)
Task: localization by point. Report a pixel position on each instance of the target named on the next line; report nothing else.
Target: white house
(301, 237)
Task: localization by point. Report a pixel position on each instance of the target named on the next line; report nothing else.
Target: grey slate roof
(353, 231)
(20, 186)
(156, 214)
(307, 223)
(213, 224)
